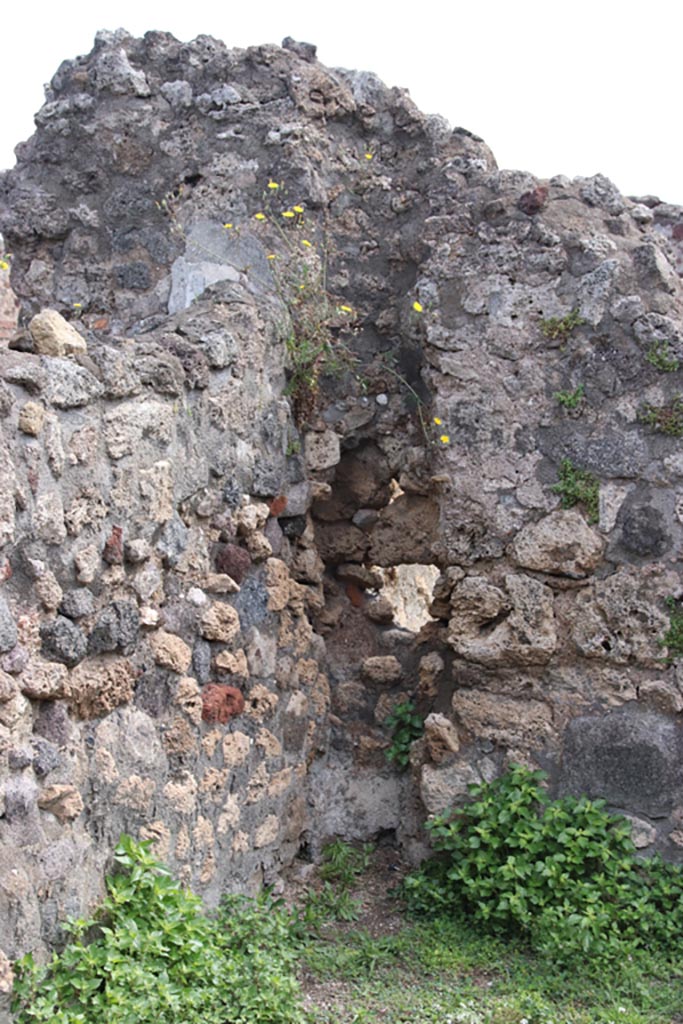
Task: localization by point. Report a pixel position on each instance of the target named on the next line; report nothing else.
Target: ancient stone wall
(207, 476)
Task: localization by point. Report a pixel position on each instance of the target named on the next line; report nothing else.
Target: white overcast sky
(566, 87)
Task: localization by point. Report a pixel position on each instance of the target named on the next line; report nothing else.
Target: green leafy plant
(151, 956)
(343, 863)
(570, 399)
(406, 726)
(560, 328)
(666, 418)
(329, 903)
(562, 873)
(578, 487)
(673, 638)
(660, 356)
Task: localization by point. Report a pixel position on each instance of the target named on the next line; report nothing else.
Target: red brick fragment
(278, 505)
(221, 703)
(113, 548)
(355, 595)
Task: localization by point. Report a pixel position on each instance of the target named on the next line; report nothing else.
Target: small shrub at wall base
(561, 873)
(151, 956)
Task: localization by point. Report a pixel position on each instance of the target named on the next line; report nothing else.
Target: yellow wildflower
(287, 213)
(298, 209)
(271, 256)
(78, 305)
(445, 439)
(345, 309)
(4, 265)
(273, 184)
(227, 226)
(304, 241)
(260, 216)
(417, 306)
(368, 156)
(437, 421)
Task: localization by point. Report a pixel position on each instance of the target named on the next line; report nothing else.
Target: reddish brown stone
(355, 595)
(234, 561)
(221, 703)
(534, 201)
(278, 505)
(113, 549)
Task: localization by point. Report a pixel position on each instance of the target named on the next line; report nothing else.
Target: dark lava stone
(63, 641)
(116, 629)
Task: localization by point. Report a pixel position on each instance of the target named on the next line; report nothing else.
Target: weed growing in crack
(320, 327)
(559, 328)
(570, 399)
(666, 418)
(673, 638)
(406, 726)
(317, 343)
(578, 487)
(661, 357)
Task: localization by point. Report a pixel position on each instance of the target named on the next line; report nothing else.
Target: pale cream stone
(220, 622)
(229, 816)
(63, 801)
(54, 336)
(135, 793)
(170, 651)
(236, 747)
(269, 744)
(267, 832)
(31, 418)
(181, 793)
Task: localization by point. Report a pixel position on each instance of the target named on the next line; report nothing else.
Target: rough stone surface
(220, 622)
(64, 801)
(494, 626)
(8, 629)
(221, 703)
(170, 651)
(383, 670)
(54, 336)
(561, 543)
(31, 418)
(629, 757)
(63, 641)
(199, 513)
(441, 737)
(99, 685)
(322, 450)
